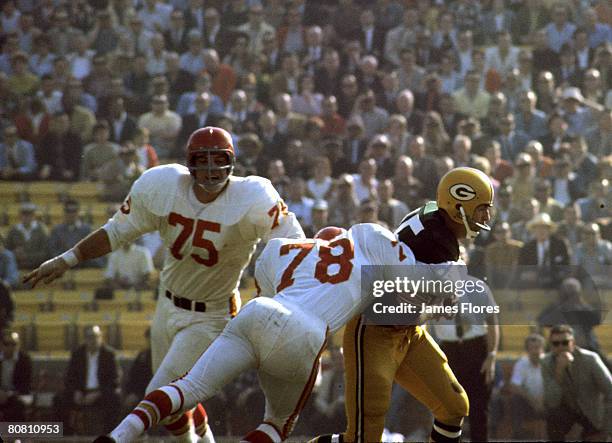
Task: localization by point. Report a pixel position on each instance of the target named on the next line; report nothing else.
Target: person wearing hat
(543, 259)
(579, 117)
(28, 239)
(68, 233)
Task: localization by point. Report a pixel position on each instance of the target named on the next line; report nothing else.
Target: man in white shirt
(527, 386)
(129, 267)
(91, 380)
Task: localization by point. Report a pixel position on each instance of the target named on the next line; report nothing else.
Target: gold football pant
(375, 357)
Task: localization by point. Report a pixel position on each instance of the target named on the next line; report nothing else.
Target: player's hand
(488, 368)
(47, 272)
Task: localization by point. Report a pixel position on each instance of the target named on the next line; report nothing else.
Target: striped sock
(200, 419)
(156, 406)
(443, 433)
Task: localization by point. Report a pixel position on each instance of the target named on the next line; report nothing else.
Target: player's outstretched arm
(93, 246)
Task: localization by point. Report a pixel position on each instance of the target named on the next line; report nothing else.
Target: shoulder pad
(243, 195)
(156, 187)
(259, 189)
(434, 242)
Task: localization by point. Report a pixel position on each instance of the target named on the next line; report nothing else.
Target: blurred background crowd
(352, 108)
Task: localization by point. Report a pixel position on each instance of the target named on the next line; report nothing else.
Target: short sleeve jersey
(210, 244)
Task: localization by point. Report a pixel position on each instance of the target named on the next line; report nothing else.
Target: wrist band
(70, 258)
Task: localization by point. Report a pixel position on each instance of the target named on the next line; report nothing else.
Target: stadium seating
(72, 301)
(32, 301)
(123, 300)
(53, 331)
(86, 279)
(11, 192)
(513, 337)
(132, 327)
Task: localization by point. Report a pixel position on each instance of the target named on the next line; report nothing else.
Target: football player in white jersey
(210, 221)
(319, 284)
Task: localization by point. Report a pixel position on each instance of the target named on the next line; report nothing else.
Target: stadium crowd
(353, 109)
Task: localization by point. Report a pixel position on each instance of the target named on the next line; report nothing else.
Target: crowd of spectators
(352, 108)
(360, 102)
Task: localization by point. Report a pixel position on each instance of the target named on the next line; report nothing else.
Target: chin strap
(469, 232)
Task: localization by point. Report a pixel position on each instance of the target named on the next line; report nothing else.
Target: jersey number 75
(198, 240)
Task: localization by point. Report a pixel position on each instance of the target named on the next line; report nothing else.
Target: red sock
(180, 426)
(200, 419)
(158, 405)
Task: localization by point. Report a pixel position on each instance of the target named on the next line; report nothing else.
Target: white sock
(128, 430)
(208, 437)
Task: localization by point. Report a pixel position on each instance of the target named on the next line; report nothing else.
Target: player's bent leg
(288, 371)
(371, 356)
(425, 373)
(186, 347)
(223, 361)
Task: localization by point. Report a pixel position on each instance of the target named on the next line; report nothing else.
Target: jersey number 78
(326, 259)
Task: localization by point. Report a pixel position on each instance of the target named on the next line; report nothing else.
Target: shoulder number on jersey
(402, 256)
(326, 259)
(280, 208)
(198, 240)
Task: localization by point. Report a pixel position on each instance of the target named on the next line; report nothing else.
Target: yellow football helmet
(460, 192)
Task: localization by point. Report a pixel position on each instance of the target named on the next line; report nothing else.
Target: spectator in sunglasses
(577, 389)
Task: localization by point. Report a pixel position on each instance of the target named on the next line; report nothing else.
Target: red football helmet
(205, 143)
(329, 233)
